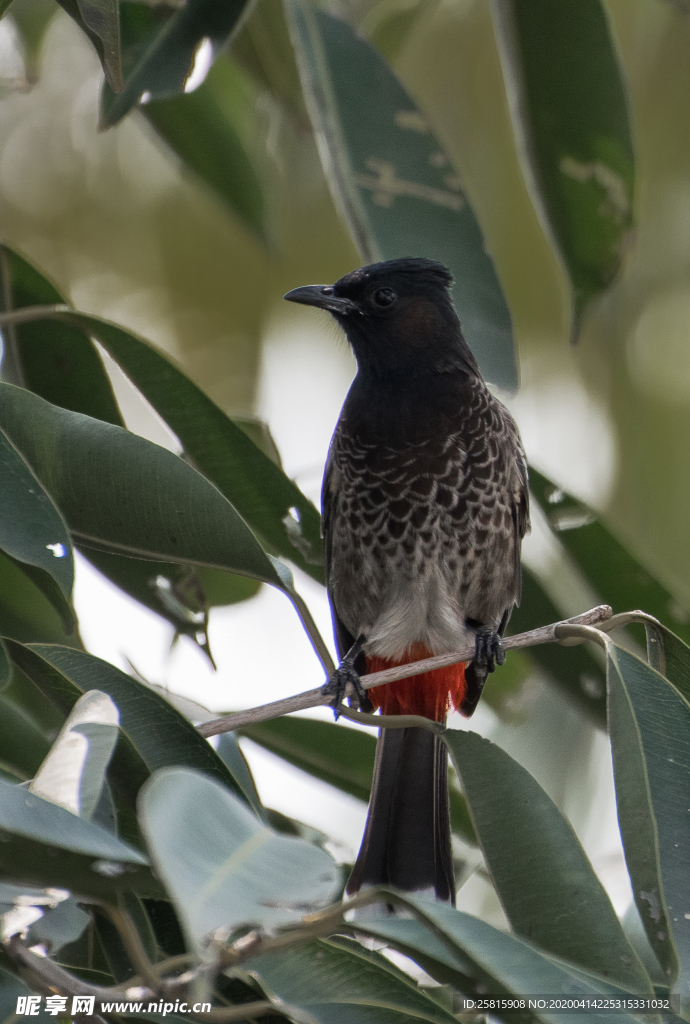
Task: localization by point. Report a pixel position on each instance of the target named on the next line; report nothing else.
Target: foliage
(131, 849)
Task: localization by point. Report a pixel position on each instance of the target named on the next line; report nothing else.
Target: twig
(317, 698)
(55, 978)
(133, 946)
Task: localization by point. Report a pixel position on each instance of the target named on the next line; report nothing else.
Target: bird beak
(323, 296)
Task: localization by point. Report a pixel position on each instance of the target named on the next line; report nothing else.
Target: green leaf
(54, 359)
(44, 844)
(126, 494)
(161, 735)
(11, 987)
(59, 926)
(229, 752)
(547, 886)
(618, 578)
(574, 669)
(23, 745)
(26, 614)
(164, 66)
(202, 128)
(649, 722)
(676, 661)
(396, 187)
(73, 773)
(335, 754)
(499, 961)
(240, 872)
(336, 981)
(263, 495)
(100, 20)
(32, 530)
(338, 755)
(571, 115)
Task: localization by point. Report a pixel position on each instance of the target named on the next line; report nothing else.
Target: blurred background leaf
(159, 52)
(204, 129)
(571, 118)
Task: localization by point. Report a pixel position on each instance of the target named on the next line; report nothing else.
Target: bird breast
(420, 539)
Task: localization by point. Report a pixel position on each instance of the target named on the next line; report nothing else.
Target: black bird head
(398, 317)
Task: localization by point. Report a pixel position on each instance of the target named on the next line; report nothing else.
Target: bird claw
(336, 688)
(488, 650)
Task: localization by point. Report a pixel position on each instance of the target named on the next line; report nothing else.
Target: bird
(425, 503)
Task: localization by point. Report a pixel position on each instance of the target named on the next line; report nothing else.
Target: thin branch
(317, 698)
(391, 721)
(52, 976)
(133, 946)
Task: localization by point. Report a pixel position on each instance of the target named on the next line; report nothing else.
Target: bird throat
(431, 694)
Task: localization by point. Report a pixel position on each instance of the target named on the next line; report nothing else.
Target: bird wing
(329, 496)
(520, 511)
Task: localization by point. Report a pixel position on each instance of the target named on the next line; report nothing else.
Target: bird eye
(384, 297)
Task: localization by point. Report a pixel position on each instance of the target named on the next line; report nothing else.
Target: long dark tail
(407, 837)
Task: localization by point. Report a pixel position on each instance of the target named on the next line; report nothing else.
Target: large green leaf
(338, 755)
(649, 722)
(202, 128)
(616, 576)
(337, 981)
(119, 491)
(239, 872)
(501, 962)
(33, 532)
(55, 359)
(571, 115)
(547, 886)
(160, 57)
(162, 736)
(395, 186)
(263, 495)
(44, 844)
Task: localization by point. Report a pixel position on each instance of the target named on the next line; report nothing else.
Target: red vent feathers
(431, 694)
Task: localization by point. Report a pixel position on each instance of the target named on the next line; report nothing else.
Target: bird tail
(406, 842)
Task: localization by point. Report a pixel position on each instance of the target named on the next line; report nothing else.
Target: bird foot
(488, 653)
(336, 688)
(488, 649)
